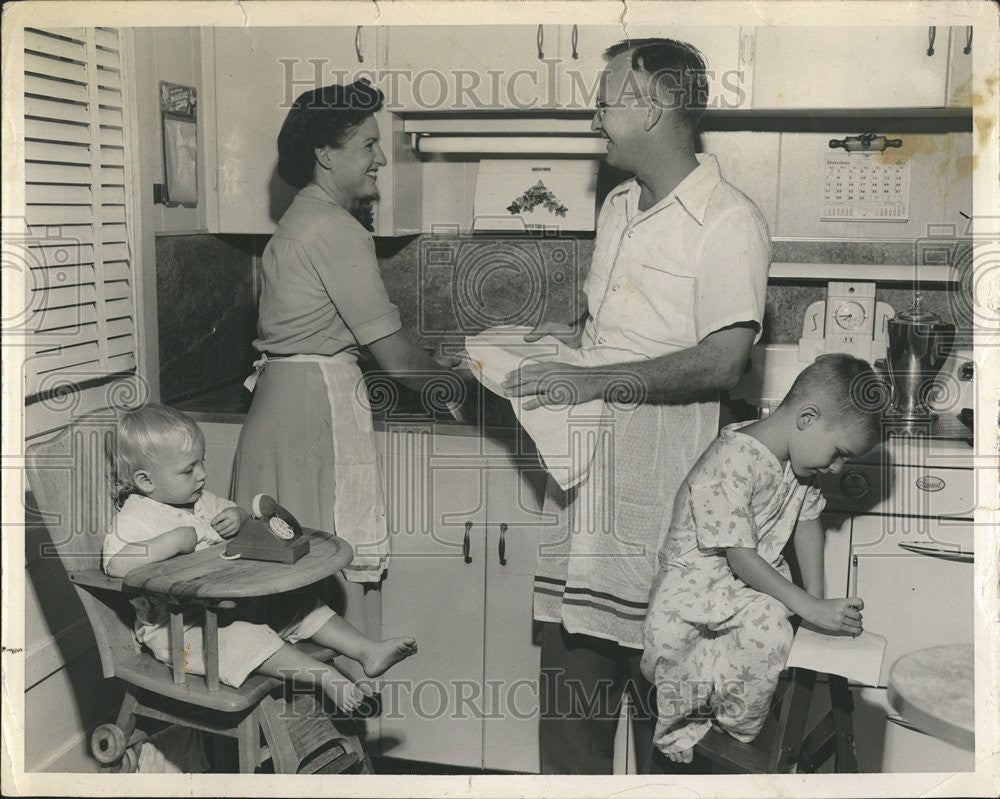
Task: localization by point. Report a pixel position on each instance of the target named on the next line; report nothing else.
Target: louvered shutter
(78, 248)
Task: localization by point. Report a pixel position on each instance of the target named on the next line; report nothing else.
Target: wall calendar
(870, 186)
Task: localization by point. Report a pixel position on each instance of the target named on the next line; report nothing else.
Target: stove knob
(854, 484)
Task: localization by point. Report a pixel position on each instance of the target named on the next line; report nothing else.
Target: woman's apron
(359, 505)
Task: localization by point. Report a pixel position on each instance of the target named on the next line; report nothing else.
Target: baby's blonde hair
(141, 436)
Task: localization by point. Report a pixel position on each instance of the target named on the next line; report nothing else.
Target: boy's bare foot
(343, 693)
(382, 655)
(681, 757)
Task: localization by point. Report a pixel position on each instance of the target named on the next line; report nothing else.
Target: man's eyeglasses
(601, 106)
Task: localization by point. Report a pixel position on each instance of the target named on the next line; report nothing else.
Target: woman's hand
(836, 615)
(229, 521)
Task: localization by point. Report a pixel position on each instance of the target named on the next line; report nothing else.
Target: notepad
(858, 659)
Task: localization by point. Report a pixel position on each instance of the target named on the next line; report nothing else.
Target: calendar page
(872, 186)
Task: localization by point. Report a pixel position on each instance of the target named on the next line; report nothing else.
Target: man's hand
(554, 384)
(229, 521)
(837, 615)
(570, 335)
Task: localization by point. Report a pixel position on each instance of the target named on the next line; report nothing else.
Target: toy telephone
(271, 533)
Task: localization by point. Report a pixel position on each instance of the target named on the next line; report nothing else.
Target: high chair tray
(207, 574)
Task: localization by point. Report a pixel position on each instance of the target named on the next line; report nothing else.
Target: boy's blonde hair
(848, 388)
(141, 436)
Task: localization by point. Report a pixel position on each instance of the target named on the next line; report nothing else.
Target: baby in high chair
(717, 634)
(158, 475)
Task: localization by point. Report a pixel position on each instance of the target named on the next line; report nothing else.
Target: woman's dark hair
(318, 118)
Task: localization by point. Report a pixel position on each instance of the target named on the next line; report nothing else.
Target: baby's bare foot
(343, 693)
(384, 654)
(681, 757)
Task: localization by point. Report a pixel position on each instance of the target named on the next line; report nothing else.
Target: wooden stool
(782, 746)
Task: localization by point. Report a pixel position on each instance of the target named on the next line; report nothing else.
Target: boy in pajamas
(717, 632)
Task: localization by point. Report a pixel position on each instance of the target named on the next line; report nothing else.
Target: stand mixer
(919, 344)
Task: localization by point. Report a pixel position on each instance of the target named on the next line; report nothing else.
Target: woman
(307, 440)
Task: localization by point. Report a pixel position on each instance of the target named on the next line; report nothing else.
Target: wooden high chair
(67, 478)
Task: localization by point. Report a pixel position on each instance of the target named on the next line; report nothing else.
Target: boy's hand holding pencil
(836, 615)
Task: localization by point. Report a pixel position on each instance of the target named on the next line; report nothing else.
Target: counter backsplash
(206, 311)
(445, 287)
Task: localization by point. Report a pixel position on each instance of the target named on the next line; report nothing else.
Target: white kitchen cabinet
(880, 66)
(915, 601)
(721, 46)
(434, 591)
(463, 526)
(512, 658)
(172, 55)
(960, 67)
(438, 68)
(925, 499)
(258, 73)
(887, 743)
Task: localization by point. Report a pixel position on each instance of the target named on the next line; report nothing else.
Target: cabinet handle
(931, 36)
(502, 544)
(968, 40)
(575, 38)
(466, 543)
(357, 45)
(539, 39)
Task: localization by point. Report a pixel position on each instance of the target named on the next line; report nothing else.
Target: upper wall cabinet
(468, 68)
(581, 48)
(258, 74)
(960, 67)
(172, 55)
(861, 67)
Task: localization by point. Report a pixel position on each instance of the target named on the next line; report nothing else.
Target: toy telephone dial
(271, 533)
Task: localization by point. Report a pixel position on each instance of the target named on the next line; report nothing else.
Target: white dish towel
(566, 435)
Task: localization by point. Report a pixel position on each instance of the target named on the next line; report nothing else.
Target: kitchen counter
(230, 404)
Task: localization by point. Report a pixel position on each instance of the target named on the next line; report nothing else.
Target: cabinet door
(172, 55)
(960, 67)
(465, 67)
(849, 67)
(915, 601)
(887, 743)
(512, 659)
(258, 74)
(432, 701)
(579, 76)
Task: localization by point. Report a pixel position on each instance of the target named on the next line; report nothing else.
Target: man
(678, 276)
